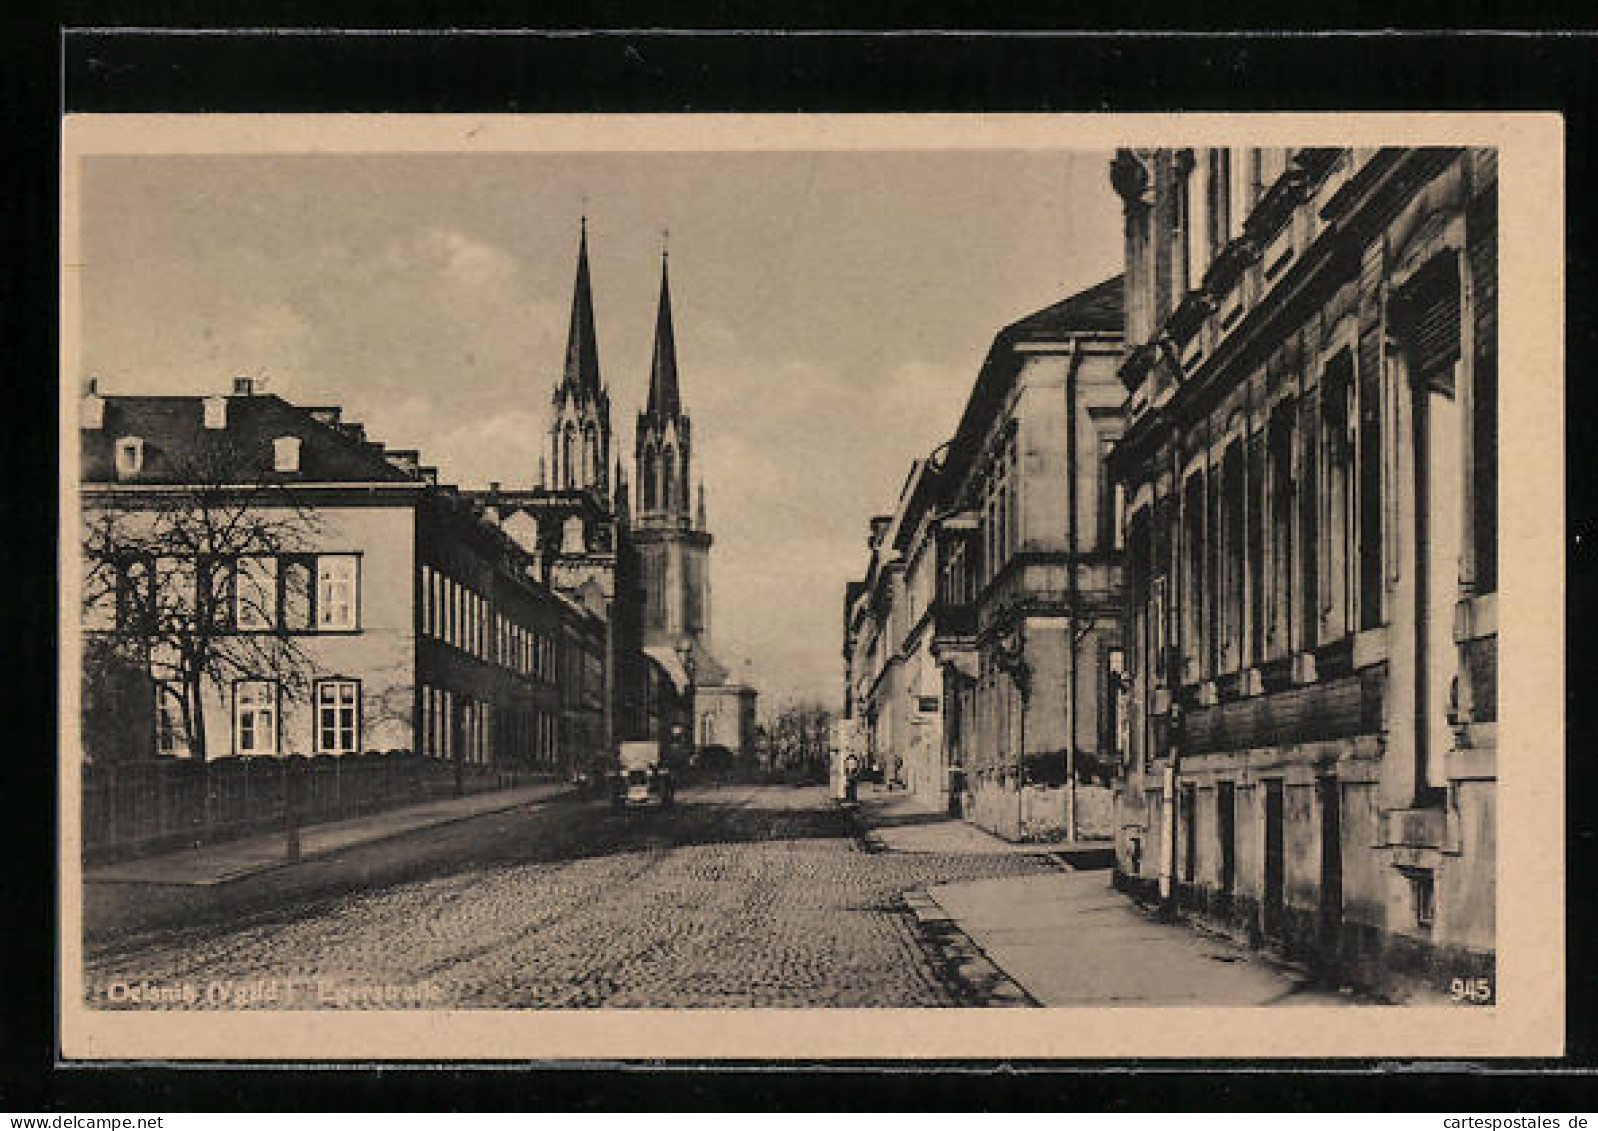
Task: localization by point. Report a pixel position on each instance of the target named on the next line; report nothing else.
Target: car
(641, 776)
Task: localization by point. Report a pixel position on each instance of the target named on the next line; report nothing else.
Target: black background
(46, 68)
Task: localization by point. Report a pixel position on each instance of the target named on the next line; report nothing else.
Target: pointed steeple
(663, 397)
(582, 344)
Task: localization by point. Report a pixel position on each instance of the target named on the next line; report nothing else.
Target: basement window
(1423, 897)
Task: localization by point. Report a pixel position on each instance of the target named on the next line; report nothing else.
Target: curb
(953, 954)
(960, 959)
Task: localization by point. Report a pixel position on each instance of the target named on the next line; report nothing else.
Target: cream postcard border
(1529, 1019)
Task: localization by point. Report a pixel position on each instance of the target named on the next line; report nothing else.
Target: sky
(831, 312)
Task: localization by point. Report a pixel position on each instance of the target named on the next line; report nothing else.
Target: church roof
(582, 344)
(664, 399)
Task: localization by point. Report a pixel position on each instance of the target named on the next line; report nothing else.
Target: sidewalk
(234, 860)
(1070, 939)
(899, 821)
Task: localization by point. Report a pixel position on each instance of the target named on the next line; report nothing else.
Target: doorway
(1330, 796)
(1274, 909)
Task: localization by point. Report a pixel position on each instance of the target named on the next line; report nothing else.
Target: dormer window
(286, 453)
(129, 456)
(215, 412)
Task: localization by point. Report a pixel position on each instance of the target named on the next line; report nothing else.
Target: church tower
(674, 548)
(578, 454)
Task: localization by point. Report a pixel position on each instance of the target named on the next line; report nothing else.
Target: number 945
(1477, 991)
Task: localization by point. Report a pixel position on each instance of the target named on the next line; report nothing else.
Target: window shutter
(1433, 318)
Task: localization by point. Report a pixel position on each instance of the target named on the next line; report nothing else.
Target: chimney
(243, 385)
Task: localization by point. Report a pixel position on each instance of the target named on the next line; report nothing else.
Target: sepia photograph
(736, 586)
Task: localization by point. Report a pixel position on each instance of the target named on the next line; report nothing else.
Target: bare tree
(800, 734)
(182, 579)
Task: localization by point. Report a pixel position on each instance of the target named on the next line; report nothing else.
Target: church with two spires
(639, 556)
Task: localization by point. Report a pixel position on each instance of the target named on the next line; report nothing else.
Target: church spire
(582, 344)
(663, 396)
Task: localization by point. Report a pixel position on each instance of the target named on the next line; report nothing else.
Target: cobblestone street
(738, 896)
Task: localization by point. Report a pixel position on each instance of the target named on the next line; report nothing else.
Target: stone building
(987, 626)
(1309, 470)
(894, 686)
(1029, 577)
(354, 604)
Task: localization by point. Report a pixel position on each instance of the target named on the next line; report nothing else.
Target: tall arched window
(668, 476)
(650, 477)
(590, 456)
(568, 452)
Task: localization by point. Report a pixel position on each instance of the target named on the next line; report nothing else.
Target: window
(1338, 549)
(1192, 578)
(427, 600)
(255, 594)
(590, 456)
(286, 453)
(668, 478)
(338, 713)
(135, 612)
(215, 412)
(1370, 486)
(1255, 537)
(1309, 527)
(337, 586)
(171, 727)
(568, 453)
(255, 717)
(1281, 542)
(216, 586)
(1232, 597)
(175, 582)
(129, 456)
(298, 594)
(440, 612)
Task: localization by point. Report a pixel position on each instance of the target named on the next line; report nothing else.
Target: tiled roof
(1099, 308)
(179, 448)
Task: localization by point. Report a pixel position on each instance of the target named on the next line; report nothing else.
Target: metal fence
(137, 807)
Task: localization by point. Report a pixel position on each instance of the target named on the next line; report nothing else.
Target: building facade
(979, 644)
(274, 583)
(1030, 578)
(1309, 470)
(894, 685)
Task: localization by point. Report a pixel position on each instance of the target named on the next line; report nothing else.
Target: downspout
(1073, 364)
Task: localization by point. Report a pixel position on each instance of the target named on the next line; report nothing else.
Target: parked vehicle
(641, 776)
